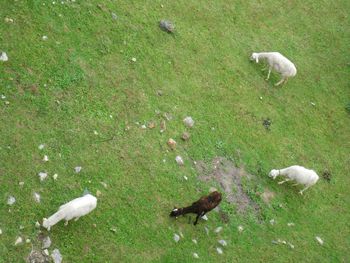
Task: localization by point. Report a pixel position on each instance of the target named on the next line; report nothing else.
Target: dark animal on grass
(200, 207)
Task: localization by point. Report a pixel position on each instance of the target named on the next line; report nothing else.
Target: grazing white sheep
(299, 174)
(74, 209)
(279, 63)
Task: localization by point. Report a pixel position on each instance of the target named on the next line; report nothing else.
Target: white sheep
(74, 209)
(279, 63)
(299, 174)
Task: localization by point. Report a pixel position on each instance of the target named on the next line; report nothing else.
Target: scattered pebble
(319, 240)
(133, 59)
(222, 242)
(240, 229)
(3, 96)
(0, 231)
(313, 104)
(114, 16)
(46, 252)
(41, 146)
(272, 222)
(185, 136)
(18, 241)
(46, 242)
(77, 169)
(11, 200)
(56, 256)
(113, 229)
(103, 184)
(7, 102)
(27, 240)
(179, 160)
(95, 132)
(172, 143)
(218, 229)
(189, 122)
(21, 227)
(37, 224)
(205, 217)
(290, 224)
(3, 57)
(8, 20)
(167, 26)
(21, 184)
(55, 176)
(194, 241)
(46, 158)
(185, 177)
(44, 38)
(195, 255)
(176, 238)
(219, 250)
(162, 126)
(37, 197)
(260, 98)
(98, 193)
(143, 127)
(42, 176)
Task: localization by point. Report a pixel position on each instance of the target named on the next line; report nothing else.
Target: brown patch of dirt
(267, 196)
(229, 177)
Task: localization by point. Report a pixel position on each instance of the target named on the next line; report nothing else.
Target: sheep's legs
(301, 192)
(76, 219)
(282, 182)
(66, 223)
(199, 215)
(268, 75)
(281, 81)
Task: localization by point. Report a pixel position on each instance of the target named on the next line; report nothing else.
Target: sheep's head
(175, 212)
(255, 57)
(274, 173)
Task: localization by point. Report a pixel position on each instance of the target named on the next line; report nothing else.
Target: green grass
(62, 89)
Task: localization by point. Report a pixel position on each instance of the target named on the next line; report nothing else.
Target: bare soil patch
(229, 177)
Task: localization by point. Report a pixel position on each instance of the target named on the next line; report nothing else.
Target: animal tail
(54, 219)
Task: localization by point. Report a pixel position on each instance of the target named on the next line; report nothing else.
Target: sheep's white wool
(74, 209)
(277, 62)
(297, 173)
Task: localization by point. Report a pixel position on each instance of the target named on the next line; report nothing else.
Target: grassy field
(82, 79)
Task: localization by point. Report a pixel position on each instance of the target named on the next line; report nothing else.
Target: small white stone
(3, 57)
(104, 184)
(185, 177)
(77, 169)
(18, 241)
(44, 38)
(56, 255)
(46, 252)
(21, 227)
(176, 238)
(27, 240)
(179, 160)
(42, 176)
(222, 242)
(313, 104)
(0, 231)
(21, 183)
(194, 241)
(37, 197)
(46, 242)
(205, 217)
(218, 229)
(46, 158)
(3, 96)
(272, 222)
(8, 20)
(7, 102)
(195, 255)
(319, 240)
(37, 224)
(290, 224)
(55, 176)
(110, 116)
(11, 200)
(240, 229)
(291, 245)
(143, 127)
(133, 59)
(188, 121)
(219, 250)
(95, 132)
(41, 146)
